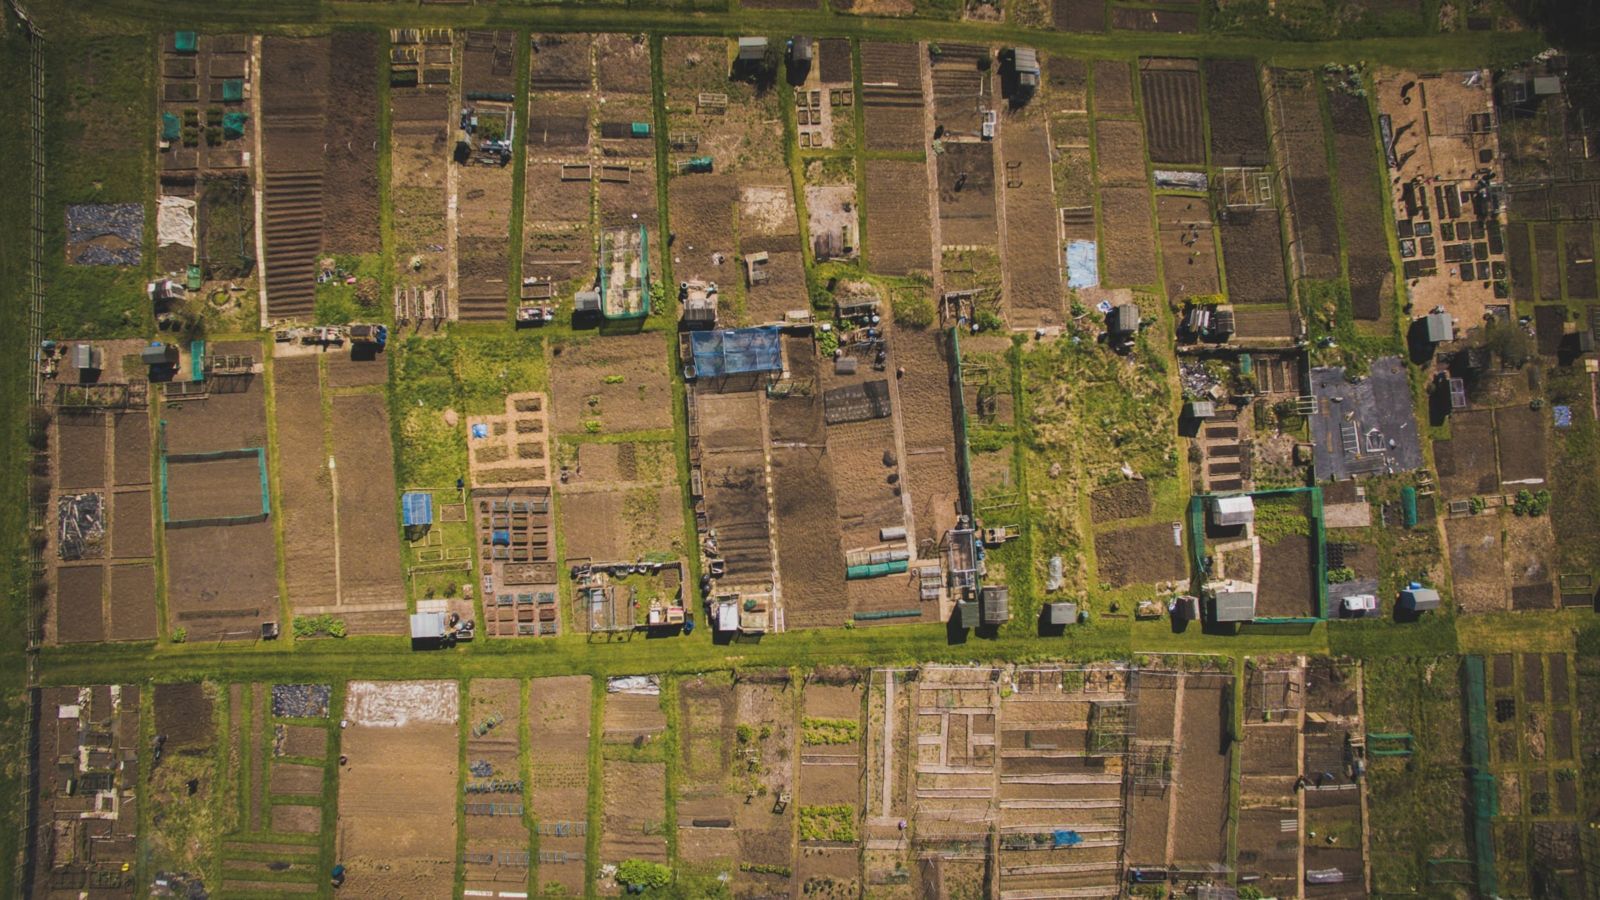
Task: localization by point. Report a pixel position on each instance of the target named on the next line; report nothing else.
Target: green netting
(876, 570)
(233, 124)
(233, 90)
(1408, 505)
(171, 126)
(963, 451)
(184, 41)
(1485, 798)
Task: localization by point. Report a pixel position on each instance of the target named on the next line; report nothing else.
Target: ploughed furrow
(293, 231)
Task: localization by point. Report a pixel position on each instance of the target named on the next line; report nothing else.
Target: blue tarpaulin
(1083, 266)
(736, 351)
(480, 431)
(1067, 838)
(1563, 416)
(416, 508)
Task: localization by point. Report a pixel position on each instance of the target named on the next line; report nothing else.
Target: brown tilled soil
(927, 415)
(622, 525)
(892, 94)
(369, 541)
(304, 483)
(810, 561)
(967, 213)
(641, 401)
(1476, 563)
(1129, 248)
(560, 62)
(1288, 578)
(1143, 555)
(623, 63)
(81, 452)
(1188, 247)
(214, 488)
(899, 232)
(1297, 116)
(1252, 254)
(306, 741)
(1203, 765)
(133, 604)
(1522, 434)
(635, 805)
(1238, 126)
(1032, 253)
(1127, 500)
(184, 714)
(131, 534)
(1113, 88)
(1361, 210)
(397, 795)
(1119, 147)
(131, 454)
(296, 778)
(701, 209)
(350, 194)
(80, 614)
(1172, 110)
(1466, 459)
(222, 580)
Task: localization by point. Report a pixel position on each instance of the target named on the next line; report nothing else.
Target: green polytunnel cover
(233, 124)
(184, 41)
(233, 90)
(170, 126)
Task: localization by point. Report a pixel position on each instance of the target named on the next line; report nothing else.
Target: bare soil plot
(1297, 119)
(1139, 555)
(927, 412)
(184, 714)
(1252, 253)
(559, 728)
(899, 232)
(830, 773)
(892, 93)
(1521, 437)
(1578, 250)
(131, 525)
(558, 234)
(712, 113)
(634, 806)
(1477, 564)
(214, 488)
(1288, 577)
(1032, 252)
(350, 141)
(1166, 21)
(1120, 152)
(811, 564)
(639, 402)
(966, 193)
(1466, 459)
(1129, 250)
(483, 255)
(623, 63)
(80, 607)
(1203, 764)
(1233, 100)
(784, 290)
(1188, 246)
(304, 483)
(397, 794)
(1529, 549)
(1079, 15)
(1113, 88)
(1155, 729)
(622, 525)
(133, 604)
(561, 62)
(1360, 205)
(701, 209)
(131, 448)
(294, 106)
(369, 546)
(733, 468)
(1172, 110)
(81, 452)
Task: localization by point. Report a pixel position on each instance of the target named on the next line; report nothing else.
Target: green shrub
(1529, 503)
(815, 731)
(642, 873)
(912, 308)
(1341, 574)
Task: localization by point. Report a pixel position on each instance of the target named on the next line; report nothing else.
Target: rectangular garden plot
(765, 704)
(1064, 749)
(420, 119)
(1333, 802)
(1269, 833)
(1188, 246)
(634, 773)
(1173, 110)
(1238, 125)
(369, 546)
(893, 97)
(966, 193)
(85, 736)
(1252, 254)
(1130, 244)
(304, 483)
(398, 790)
(1032, 251)
(1360, 206)
(1297, 120)
(496, 853)
(714, 773)
(830, 772)
(559, 726)
(899, 232)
